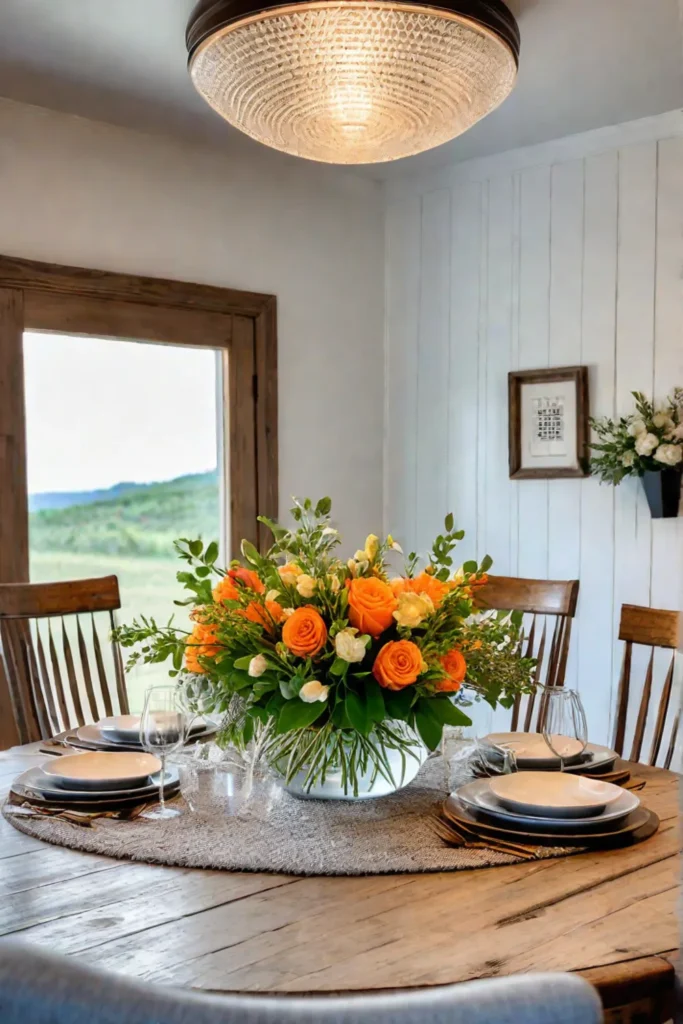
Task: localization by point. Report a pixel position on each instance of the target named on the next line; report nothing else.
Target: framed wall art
(548, 423)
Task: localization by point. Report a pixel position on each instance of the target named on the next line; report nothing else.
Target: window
(122, 458)
(228, 341)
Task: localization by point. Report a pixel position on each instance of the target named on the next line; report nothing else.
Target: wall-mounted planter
(663, 491)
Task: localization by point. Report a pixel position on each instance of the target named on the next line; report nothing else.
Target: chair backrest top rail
(73, 597)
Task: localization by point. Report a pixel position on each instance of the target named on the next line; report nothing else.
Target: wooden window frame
(74, 300)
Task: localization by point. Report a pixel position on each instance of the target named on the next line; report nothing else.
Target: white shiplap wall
(564, 254)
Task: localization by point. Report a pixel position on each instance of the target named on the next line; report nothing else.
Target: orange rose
(228, 589)
(422, 584)
(398, 664)
(371, 605)
(305, 632)
(202, 642)
(455, 667)
(266, 617)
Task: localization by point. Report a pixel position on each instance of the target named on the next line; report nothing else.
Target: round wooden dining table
(610, 916)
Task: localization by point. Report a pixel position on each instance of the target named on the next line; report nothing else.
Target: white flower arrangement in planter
(647, 444)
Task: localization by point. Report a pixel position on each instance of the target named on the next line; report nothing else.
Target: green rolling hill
(130, 519)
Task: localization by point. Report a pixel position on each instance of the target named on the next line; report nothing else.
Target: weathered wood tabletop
(609, 915)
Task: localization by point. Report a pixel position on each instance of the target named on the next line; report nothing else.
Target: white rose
(669, 454)
(661, 420)
(637, 427)
(413, 609)
(646, 444)
(313, 691)
(348, 646)
(628, 458)
(677, 433)
(289, 573)
(257, 666)
(306, 585)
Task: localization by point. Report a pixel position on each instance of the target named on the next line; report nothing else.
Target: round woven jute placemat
(276, 832)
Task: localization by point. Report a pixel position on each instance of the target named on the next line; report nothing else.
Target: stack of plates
(564, 809)
(533, 753)
(89, 781)
(122, 732)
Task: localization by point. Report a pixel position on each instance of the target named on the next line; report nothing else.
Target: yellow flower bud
(371, 547)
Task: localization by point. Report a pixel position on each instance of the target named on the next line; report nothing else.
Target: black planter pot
(663, 491)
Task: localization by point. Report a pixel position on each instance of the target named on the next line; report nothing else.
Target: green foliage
(143, 521)
(629, 446)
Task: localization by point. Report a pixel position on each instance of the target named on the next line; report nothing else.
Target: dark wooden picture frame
(516, 380)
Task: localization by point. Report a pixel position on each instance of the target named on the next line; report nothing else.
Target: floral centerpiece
(647, 442)
(333, 664)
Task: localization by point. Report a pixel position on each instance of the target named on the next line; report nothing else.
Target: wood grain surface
(608, 915)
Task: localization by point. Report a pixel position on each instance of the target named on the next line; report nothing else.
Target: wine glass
(563, 717)
(163, 727)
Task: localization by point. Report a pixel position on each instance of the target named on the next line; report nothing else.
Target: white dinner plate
(100, 770)
(54, 789)
(91, 737)
(478, 797)
(596, 758)
(532, 751)
(553, 794)
(126, 728)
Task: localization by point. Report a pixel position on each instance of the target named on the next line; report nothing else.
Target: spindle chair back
(58, 681)
(656, 629)
(549, 607)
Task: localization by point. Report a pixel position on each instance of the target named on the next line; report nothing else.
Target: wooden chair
(653, 628)
(545, 603)
(45, 693)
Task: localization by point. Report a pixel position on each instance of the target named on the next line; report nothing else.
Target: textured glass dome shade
(350, 83)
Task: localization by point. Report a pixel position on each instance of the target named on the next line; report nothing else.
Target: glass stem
(162, 805)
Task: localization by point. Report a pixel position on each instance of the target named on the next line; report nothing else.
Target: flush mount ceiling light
(353, 81)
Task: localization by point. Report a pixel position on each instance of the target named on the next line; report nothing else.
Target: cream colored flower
(371, 547)
(352, 566)
(359, 556)
(335, 585)
(628, 458)
(676, 434)
(349, 646)
(413, 609)
(306, 585)
(646, 443)
(288, 611)
(637, 427)
(669, 454)
(257, 666)
(272, 595)
(662, 420)
(289, 573)
(312, 691)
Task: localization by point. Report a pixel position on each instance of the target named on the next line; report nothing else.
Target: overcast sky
(100, 412)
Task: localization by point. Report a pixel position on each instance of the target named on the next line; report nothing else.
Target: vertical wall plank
(464, 363)
(593, 637)
(635, 371)
(667, 534)
(403, 276)
(433, 368)
(566, 297)
(534, 317)
(495, 516)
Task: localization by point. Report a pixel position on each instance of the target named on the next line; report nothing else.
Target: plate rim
(565, 824)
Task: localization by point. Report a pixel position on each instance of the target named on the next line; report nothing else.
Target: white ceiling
(584, 64)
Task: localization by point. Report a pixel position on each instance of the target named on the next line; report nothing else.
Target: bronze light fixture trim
(353, 81)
